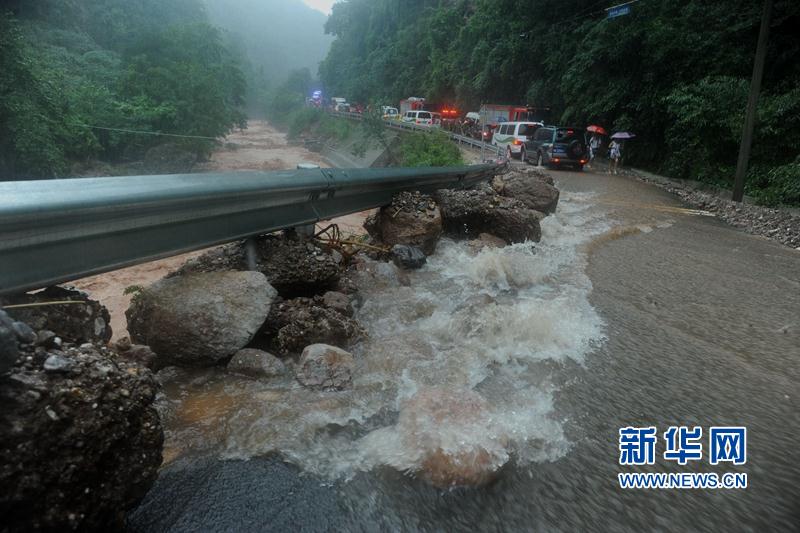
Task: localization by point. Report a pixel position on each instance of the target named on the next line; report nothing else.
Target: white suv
(423, 118)
(512, 137)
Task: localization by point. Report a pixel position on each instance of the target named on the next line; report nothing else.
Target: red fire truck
(413, 103)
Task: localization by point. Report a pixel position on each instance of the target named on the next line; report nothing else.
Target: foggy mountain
(275, 35)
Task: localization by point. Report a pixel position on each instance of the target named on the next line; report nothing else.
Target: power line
(145, 132)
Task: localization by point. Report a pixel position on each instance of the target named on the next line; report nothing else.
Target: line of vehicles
(518, 130)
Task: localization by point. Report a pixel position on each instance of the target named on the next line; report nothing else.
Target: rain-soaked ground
(632, 311)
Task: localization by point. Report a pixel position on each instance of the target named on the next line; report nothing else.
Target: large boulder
(468, 213)
(325, 367)
(88, 321)
(533, 190)
(200, 319)
(294, 324)
(412, 219)
(81, 439)
(293, 265)
(453, 437)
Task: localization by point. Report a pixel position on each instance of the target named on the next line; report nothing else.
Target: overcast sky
(321, 5)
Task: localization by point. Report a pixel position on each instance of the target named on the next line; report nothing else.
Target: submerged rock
(88, 321)
(412, 219)
(484, 240)
(325, 367)
(451, 437)
(409, 257)
(294, 324)
(81, 440)
(200, 319)
(256, 363)
(468, 213)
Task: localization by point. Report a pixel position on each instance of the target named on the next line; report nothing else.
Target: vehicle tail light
(583, 161)
(556, 160)
(516, 142)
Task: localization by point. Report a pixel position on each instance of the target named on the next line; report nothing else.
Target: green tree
(650, 71)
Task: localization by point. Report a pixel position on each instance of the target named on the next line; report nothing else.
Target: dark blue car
(557, 146)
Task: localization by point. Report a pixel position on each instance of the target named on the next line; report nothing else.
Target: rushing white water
(476, 323)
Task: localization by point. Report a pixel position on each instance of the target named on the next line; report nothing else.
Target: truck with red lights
(493, 114)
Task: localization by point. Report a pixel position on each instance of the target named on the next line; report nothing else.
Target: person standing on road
(594, 147)
(615, 153)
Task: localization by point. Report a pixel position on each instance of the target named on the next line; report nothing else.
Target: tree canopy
(676, 72)
(75, 73)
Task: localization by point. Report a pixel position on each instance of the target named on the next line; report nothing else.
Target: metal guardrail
(54, 231)
(460, 139)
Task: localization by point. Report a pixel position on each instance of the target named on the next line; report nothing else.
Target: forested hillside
(676, 72)
(72, 67)
(82, 82)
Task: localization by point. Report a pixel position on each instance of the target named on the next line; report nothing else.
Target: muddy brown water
(633, 311)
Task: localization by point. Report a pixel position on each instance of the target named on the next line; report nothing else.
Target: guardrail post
(250, 252)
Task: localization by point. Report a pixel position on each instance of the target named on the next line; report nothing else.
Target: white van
(512, 136)
(390, 113)
(423, 118)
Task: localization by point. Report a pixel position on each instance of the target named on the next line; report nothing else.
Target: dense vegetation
(78, 76)
(676, 72)
(72, 67)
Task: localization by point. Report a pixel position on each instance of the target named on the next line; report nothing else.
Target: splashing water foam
(451, 364)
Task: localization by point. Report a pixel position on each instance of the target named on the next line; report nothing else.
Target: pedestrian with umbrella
(615, 150)
(595, 142)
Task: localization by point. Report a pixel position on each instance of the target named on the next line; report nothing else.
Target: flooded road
(632, 311)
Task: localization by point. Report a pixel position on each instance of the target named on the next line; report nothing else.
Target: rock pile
(530, 186)
(776, 224)
(296, 323)
(510, 209)
(412, 219)
(468, 213)
(292, 265)
(77, 323)
(81, 440)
